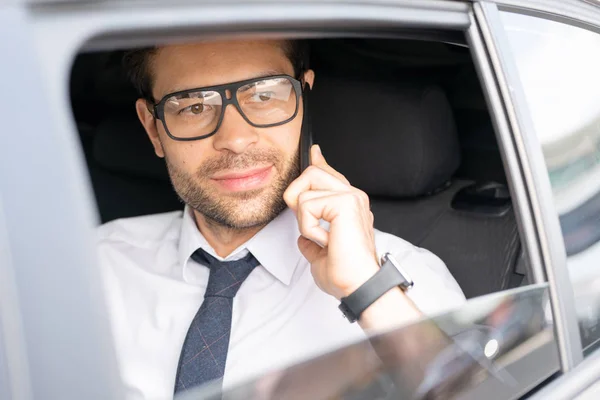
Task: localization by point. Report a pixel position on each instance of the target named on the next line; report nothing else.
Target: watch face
(408, 282)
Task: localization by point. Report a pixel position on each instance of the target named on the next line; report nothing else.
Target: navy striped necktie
(204, 350)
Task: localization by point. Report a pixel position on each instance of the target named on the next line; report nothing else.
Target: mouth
(248, 179)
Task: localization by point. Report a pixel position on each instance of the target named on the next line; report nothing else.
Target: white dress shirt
(154, 289)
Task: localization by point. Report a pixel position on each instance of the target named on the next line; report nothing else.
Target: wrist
(390, 276)
(365, 272)
(391, 310)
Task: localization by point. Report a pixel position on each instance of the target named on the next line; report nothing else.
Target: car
(474, 128)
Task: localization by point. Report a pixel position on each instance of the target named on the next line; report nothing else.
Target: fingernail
(319, 149)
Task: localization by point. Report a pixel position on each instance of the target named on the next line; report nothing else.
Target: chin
(244, 210)
(248, 216)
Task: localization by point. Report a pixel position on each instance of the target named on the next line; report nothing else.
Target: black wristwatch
(389, 276)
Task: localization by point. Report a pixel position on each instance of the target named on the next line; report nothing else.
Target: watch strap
(388, 277)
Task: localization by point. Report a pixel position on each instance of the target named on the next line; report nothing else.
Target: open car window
(472, 200)
(483, 350)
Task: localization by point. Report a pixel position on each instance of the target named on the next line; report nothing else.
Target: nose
(234, 134)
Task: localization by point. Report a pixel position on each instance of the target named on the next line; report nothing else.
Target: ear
(150, 125)
(309, 77)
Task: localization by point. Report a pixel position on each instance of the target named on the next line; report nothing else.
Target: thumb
(309, 249)
(316, 156)
(317, 159)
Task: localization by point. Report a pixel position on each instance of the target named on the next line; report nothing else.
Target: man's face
(235, 178)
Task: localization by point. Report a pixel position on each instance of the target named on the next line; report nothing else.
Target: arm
(391, 310)
(343, 258)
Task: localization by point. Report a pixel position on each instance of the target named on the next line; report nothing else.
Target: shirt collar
(275, 246)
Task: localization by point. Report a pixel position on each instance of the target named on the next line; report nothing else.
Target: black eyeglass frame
(159, 108)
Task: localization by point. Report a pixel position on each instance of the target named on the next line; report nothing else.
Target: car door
(547, 68)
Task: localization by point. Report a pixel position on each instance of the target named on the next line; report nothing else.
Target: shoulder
(402, 249)
(435, 290)
(143, 231)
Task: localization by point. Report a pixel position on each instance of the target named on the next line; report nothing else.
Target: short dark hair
(137, 64)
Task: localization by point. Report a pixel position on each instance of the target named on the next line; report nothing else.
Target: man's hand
(346, 257)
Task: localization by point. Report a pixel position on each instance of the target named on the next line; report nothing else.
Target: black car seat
(127, 177)
(396, 139)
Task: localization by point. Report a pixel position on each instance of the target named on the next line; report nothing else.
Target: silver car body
(54, 336)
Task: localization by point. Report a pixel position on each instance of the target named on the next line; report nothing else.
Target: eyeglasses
(195, 114)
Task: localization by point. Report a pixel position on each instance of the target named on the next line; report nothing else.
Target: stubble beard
(237, 210)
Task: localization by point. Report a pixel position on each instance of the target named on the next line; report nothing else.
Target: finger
(312, 194)
(328, 206)
(315, 194)
(313, 178)
(318, 160)
(311, 212)
(310, 250)
(354, 194)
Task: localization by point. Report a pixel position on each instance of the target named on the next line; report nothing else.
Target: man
(226, 117)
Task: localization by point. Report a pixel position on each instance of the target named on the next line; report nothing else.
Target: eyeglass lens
(263, 102)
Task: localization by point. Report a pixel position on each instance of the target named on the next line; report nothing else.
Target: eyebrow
(268, 72)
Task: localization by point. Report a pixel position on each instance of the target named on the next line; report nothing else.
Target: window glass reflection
(559, 69)
(484, 350)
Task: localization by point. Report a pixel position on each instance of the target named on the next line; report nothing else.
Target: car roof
(519, 3)
(586, 11)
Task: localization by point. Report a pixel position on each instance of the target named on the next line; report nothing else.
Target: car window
(558, 68)
(485, 349)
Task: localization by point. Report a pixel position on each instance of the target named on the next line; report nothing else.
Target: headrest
(390, 137)
(121, 145)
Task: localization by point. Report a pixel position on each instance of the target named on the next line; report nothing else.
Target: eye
(263, 96)
(195, 109)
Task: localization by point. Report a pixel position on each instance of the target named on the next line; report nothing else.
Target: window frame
(547, 236)
(582, 373)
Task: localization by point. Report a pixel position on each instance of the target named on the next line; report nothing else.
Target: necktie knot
(225, 277)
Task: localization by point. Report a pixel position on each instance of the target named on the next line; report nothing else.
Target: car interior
(405, 120)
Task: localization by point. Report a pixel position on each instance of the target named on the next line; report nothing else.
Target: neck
(223, 239)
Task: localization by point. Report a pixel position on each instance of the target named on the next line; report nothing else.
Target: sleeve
(435, 290)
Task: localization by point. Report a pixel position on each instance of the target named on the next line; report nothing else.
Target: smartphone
(306, 135)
